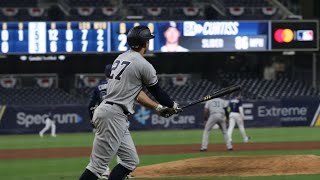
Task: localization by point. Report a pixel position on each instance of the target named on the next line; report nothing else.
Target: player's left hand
(176, 108)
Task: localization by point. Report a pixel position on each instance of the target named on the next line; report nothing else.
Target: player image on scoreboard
(172, 35)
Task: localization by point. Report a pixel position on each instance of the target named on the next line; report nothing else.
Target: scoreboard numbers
(193, 36)
(100, 39)
(122, 37)
(4, 38)
(53, 37)
(69, 35)
(123, 41)
(84, 41)
(69, 38)
(20, 32)
(241, 42)
(4, 35)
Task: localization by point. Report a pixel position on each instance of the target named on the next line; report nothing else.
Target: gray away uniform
(130, 72)
(216, 116)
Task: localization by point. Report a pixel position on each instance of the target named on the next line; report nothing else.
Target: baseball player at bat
(215, 113)
(236, 116)
(129, 74)
(96, 98)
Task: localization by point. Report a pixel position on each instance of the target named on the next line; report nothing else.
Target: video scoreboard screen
(54, 37)
(170, 36)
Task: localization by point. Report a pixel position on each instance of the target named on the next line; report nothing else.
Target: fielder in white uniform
(215, 110)
(236, 117)
(50, 123)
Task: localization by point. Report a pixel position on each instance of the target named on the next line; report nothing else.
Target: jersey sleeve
(148, 75)
(226, 104)
(206, 105)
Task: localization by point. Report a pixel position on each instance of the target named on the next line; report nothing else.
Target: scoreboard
(54, 37)
(170, 36)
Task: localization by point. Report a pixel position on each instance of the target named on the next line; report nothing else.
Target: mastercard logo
(283, 35)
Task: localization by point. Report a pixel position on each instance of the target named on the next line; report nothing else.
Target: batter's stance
(236, 117)
(130, 72)
(215, 109)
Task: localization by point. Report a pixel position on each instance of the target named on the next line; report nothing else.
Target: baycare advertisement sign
(145, 118)
(31, 119)
(286, 112)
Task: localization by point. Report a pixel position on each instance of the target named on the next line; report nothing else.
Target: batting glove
(164, 111)
(176, 108)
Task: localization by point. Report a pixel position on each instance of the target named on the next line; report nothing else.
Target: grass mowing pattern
(71, 168)
(169, 137)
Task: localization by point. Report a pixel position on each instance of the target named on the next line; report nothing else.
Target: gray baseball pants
(112, 138)
(215, 118)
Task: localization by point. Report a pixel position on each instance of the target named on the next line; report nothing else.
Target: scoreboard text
(170, 36)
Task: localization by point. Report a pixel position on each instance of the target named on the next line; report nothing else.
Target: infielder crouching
(214, 113)
(50, 123)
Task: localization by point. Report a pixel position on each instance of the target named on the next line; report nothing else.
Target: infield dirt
(155, 150)
(205, 166)
(233, 166)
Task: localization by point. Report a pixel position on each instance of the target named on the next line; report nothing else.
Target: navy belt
(123, 109)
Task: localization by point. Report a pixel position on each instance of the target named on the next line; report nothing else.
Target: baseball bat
(219, 93)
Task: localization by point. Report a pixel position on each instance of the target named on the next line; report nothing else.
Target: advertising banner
(285, 112)
(145, 119)
(31, 119)
(75, 118)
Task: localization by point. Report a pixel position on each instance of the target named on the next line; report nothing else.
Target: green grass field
(71, 168)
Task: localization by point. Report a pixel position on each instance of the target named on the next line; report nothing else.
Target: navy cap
(171, 24)
(138, 35)
(107, 70)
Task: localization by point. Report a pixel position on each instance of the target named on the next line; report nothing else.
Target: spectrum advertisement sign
(21, 119)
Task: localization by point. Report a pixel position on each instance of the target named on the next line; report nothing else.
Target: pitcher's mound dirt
(234, 166)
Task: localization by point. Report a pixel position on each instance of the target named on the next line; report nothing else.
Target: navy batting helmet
(138, 35)
(107, 70)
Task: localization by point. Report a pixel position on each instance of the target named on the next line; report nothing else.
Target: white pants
(216, 118)
(236, 118)
(49, 124)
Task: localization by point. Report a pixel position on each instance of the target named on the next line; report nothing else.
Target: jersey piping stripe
(152, 83)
